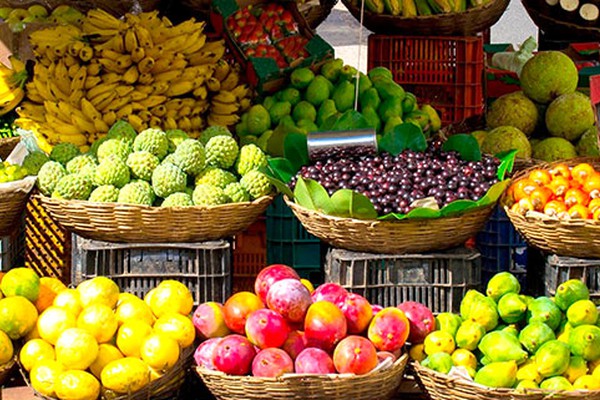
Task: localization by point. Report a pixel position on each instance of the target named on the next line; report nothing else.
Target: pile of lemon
(91, 337)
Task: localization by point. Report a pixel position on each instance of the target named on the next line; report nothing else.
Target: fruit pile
(284, 328)
(155, 168)
(563, 192)
(141, 68)
(312, 101)
(12, 81)
(506, 339)
(413, 8)
(268, 31)
(393, 184)
(548, 120)
(18, 18)
(78, 339)
(12, 172)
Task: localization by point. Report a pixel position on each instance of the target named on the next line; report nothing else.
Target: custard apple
(190, 157)
(64, 152)
(168, 179)
(77, 164)
(256, 184)
(221, 151)
(34, 161)
(153, 140)
(112, 171)
(72, 187)
(49, 175)
(94, 147)
(134, 193)
(146, 186)
(104, 194)
(175, 136)
(251, 158)
(236, 192)
(88, 171)
(122, 130)
(178, 199)
(113, 147)
(209, 195)
(142, 164)
(213, 131)
(215, 176)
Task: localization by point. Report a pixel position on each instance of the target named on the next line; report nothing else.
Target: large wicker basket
(466, 23)
(413, 235)
(117, 8)
(575, 238)
(376, 385)
(13, 199)
(440, 386)
(6, 370)
(540, 14)
(7, 145)
(113, 222)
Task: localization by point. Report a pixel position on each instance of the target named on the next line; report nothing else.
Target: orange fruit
(49, 288)
(579, 211)
(17, 316)
(106, 353)
(576, 196)
(53, 322)
(7, 350)
(130, 336)
(559, 185)
(523, 188)
(540, 176)
(581, 172)
(44, 375)
(539, 197)
(99, 320)
(561, 170)
(70, 300)
(126, 375)
(178, 327)
(134, 309)
(594, 204)
(159, 351)
(592, 185)
(21, 282)
(170, 296)
(76, 349)
(98, 290)
(77, 385)
(555, 208)
(35, 351)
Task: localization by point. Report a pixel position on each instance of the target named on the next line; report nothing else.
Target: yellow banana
(168, 76)
(197, 123)
(124, 61)
(111, 77)
(74, 48)
(86, 53)
(170, 123)
(160, 87)
(75, 96)
(115, 43)
(213, 84)
(159, 111)
(231, 82)
(34, 95)
(184, 124)
(138, 54)
(147, 89)
(83, 124)
(110, 54)
(111, 65)
(196, 46)
(16, 64)
(185, 111)
(156, 52)
(222, 120)
(179, 88)
(224, 108)
(155, 122)
(224, 96)
(109, 118)
(245, 104)
(153, 101)
(172, 113)
(173, 104)
(179, 63)
(117, 104)
(43, 89)
(53, 110)
(409, 8)
(55, 90)
(209, 54)
(124, 111)
(193, 72)
(124, 90)
(100, 89)
(146, 79)
(89, 110)
(145, 115)
(131, 75)
(222, 69)
(61, 77)
(241, 91)
(92, 81)
(200, 107)
(7, 107)
(93, 69)
(136, 122)
(143, 36)
(188, 102)
(103, 20)
(201, 92)
(163, 63)
(145, 65)
(130, 41)
(137, 96)
(101, 126)
(32, 111)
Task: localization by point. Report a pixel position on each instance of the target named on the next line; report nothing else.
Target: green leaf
(282, 169)
(465, 145)
(494, 193)
(423, 212)
(402, 137)
(348, 203)
(295, 150)
(507, 162)
(310, 194)
(390, 216)
(350, 120)
(458, 206)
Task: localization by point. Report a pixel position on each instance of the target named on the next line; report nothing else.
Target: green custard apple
(251, 157)
(72, 187)
(236, 192)
(256, 184)
(190, 156)
(209, 195)
(112, 171)
(77, 164)
(178, 199)
(122, 131)
(221, 152)
(168, 179)
(113, 147)
(152, 140)
(135, 193)
(49, 175)
(64, 152)
(213, 131)
(215, 176)
(175, 136)
(142, 164)
(34, 161)
(104, 194)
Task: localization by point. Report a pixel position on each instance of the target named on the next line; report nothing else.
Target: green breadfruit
(553, 149)
(134, 193)
(49, 175)
(64, 152)
(175, 136)
(569, 116)
(112, 171)
(213, 131)
(142, 164)
(256, 184)
(209, 195)
(168, 179)
(122, 130)
(77, 164)
(190, 157)
(114, 147)
(548, 75)
(587, 146)
(513, 109)
(236, 192)
(505, 138)
(104, 194)
(152, 140)
(72, 187)
(221, 152)
(34, 161)
(251, 157)
(215, 176)
(178, 199)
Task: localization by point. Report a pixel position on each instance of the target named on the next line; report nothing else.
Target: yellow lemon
(76, 349)
(170, 296)
(134, 309)
(49, 288)
(34, 351)
(178, 327)
(7, 350)
(130, 336)
(98, 290)
(586, 382)
(439, 341)
(53, 322)
(125, 297)
(159, 351)
(17, 316)
(77, 385)
(106, 353)
(33, 334)
(44, 375)
(70, 300)
(126, 375)
(464, 358)
(99, 320)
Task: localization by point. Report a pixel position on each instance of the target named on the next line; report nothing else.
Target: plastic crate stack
(249, 255)
(559, 269)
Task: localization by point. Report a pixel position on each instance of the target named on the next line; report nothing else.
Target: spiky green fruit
(104, 194)
(152, 140)
(215, 176)
(49, 175)
(123, 131)
(236, 192)
(251, 158)
(112, 171)
(94, 147)
(77, 164)
(213, 131)
(34, 161)
(134, 193)
(146, 186)
(178, 199)
(168, 179)
(113, 147)
(190, 157)
(64, 152)
(209, 195)
(72, 187)
(221, 151)
(175, 136)
(142, 164)
(256, 184)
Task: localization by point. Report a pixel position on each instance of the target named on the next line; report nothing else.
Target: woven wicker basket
(7, 145)
(117, 8)
(13, 200)
(113, 222)
(444, 387)
(466, 23)
(6, 370)
(393, 237)
(575, 238)
(376, 385)
(542, 18)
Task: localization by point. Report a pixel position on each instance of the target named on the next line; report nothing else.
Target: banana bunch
(12, 81)
(414, 8)
(140, 68)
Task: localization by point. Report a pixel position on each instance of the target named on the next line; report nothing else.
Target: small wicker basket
(114, 222)
(413, 235)
(376, 385)
(440, 386)
(117, 8)
(6, 370)
(13, 199)
(7, 145)
(575, 238)
(541, 16)
(466, 23)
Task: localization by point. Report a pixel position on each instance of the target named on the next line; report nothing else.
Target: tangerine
(17, 316)
(49, 288)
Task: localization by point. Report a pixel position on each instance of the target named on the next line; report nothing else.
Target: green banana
(460, 5)
(422, 7)
(421, 117)
(393, 7)
(435, 122)
(375, 6)
(409, 8)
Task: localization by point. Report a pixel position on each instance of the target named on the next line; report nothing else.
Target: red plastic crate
(446, 72)
(249, 255)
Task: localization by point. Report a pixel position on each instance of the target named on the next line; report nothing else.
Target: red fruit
(271, 363)
(269, 275)
(234, 355)
(294, 344)
(389, 329)
(209, 320)
(376, 308)
(290, 298)
(238, 307)
(314, 361)
(355, 355)
(331, 292)
(422, 321)
(324, 326)
(266, 328)
(357, 311)
(205, 354)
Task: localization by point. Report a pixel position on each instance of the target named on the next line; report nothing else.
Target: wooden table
(17, 393)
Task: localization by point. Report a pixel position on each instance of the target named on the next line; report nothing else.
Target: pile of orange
(563, 192)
